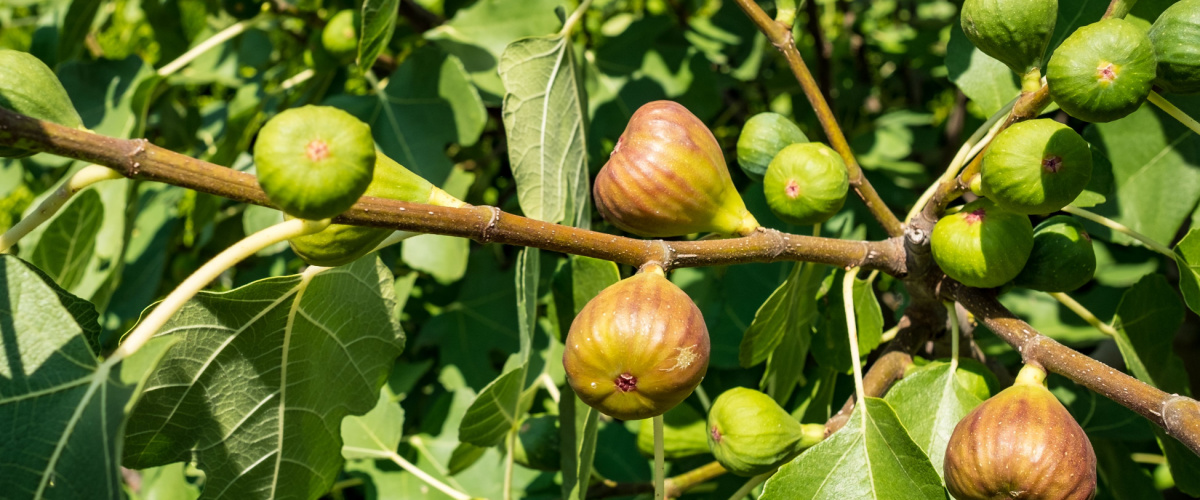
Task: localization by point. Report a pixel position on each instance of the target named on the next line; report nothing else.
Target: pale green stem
(953, 315)
(508, 464)
(423, 476)
(852, 331)
(1148, 458)
(297, 79)
(1120, 228)
(569, 25)
(1175, 112)
(705, 402)
(221, 37)
(745, 490)
(85, 177)
(1084, 313)
(890, 334)
(660, 490)
(209, 271)
(785, 12)
(550, 387)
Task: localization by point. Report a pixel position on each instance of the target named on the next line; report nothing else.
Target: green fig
(638, 348)
(1103, 71)
(314, 162)
(1036, 167)
(806, 184)
(1176, 38)
(1062, 259)
(29, 87)
(684, 434)
(667, 177)
(1020, 443)
(1015, 32)
(340, 36)
(763, 136)
(537, 445)
(341, 244)
(982, 245)
(750, 434)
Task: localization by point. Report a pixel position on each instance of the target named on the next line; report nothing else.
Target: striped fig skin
(1021, 443)
(637, 349)
(667, 177)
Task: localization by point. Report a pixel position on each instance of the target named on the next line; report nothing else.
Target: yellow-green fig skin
(637, 349)
(340, 36)
(1015, 32)
(1176, 38)
(31, 88)
(1020, 443)
(667, 177)
(1036, 167)
(684, 431)
(806, 184)
(1063, 258)
(763, 137)
(982, 245)
(749, 433)
(1103, 71)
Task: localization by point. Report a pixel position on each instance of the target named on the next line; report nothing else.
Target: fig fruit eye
(1062, 259)
(749, 433)
(31, 88)
(1015, 32)
(983, 245)
(314, 162)
(667, 177)
(806, 183)
(1176, 38)
(763, 136)
(1036, 167)
(1103, 71)
(1020, 440)
(638, 348)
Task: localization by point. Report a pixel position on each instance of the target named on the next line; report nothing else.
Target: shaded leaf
(378, 24)
(494, 412)
(377, 433)
(929, 402)
(986, 81)
(1149, 315)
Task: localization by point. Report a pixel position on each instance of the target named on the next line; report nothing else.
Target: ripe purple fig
(667, 177)
(1021, 443)
(638, 348)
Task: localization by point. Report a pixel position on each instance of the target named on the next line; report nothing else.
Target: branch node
(667, 257)
(485, 233)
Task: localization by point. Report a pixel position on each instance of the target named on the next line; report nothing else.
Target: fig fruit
(763, 136)
(537, 444)
(806, 184)
(29, 87)
(1015, 32)
(341, 244)
(684, 432)
(1103, 71)
(1036, 167)
(1176, 39)
(638, 348)
(667, 177)
(1062, 259)
(242, 9)
(314, 162)
(982, 245)
(340, 36)
(1020, 443)
(750, 434)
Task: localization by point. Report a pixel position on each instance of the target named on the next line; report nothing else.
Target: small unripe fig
(1020, 443)
(29, 87)
(750, 434)
(638, 348)
(341, 244)
(763, 136)
(1036, 167)
(1015, 32)
(340, 37)
(684, 432)
(537, 444)
(1103, 71)
(1062, 259)
(982, 245)
(806, 184)
(1176, 38)
(667, 177)
(242, 9)
(314, 162)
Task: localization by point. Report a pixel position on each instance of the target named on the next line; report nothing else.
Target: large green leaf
(378, 24)
(375, 434)
(1149, 315)
(929, 402)
(831, 345)
(262, 377)
(986, 81)
(69, 241)
(788, 312)
(494, 412)
(871, 457)
(1187, 256)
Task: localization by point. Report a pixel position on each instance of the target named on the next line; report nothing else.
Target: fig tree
(1015, 32)
(806, 183)
(1062, 259)
(750, 434)
(763, 136)
(1036, 167)
(1176, 38)
(29, 87)
(982, 245)
(1103, 71)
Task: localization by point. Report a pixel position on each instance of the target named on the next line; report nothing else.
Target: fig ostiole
(1020, 443)
(340, 36)
(667, 177)
(1036, 167)
(1015, 32)
(684, 431)
(763, 136)
(982, 245)
(314, 162)
(537, 443)
(638, 348)
(31, 88)
(1103, 71)
(806, 184)
(1062, 259)
(749, 433)
(1176, 39)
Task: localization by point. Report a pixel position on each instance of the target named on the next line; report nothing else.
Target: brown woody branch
(780, 36)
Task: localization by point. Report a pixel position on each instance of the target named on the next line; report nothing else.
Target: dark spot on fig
(716, 434)
(1052, 163)
(975, 216)
(317, 150)
(792, 189)
(1107, 72)
(626, 382)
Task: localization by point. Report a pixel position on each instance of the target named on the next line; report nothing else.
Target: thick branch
(781, 37)
(139, 159)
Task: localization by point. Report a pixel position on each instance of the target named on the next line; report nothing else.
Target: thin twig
(1120, 228)
(85, 177)
(1174, 111)
(659, 483)
(220, 37)
(1084, 313)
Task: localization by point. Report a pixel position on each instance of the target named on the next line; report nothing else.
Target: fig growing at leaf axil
(1015, 32)
(1176, 39)
(31, 88)
(1103, 71)
(638, 348)
(1036, 167)
(1062, 259)
(806, 183)
(763, 136)
(1020, 443)
(982, 245)
(667, 177)
(749, 433)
